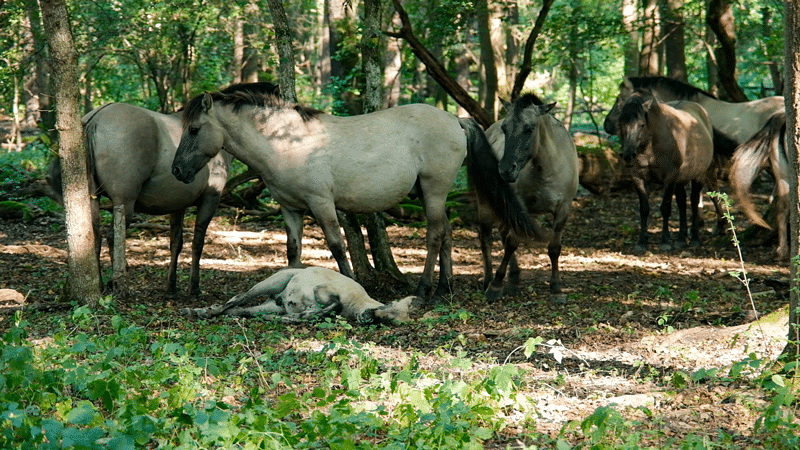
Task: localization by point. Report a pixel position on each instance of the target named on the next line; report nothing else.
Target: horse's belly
(165, 195)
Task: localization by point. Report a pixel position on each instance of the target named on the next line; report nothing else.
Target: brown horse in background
(670, 143)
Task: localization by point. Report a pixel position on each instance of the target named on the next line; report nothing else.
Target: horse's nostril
(176, 171)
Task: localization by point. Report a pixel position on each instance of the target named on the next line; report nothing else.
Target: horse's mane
(679, 88)
(528, 99)
(262, 94)
(632, 109)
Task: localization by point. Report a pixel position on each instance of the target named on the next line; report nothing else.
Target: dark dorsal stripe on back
(246, 94)
(677, 87)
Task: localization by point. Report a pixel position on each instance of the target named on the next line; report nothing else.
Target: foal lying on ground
(297, 295)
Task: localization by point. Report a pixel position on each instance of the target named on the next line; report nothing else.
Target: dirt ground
(628, 321)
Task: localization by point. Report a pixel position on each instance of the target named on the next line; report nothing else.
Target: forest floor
(628, 324)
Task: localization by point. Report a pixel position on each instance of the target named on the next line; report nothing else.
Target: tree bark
(83, 284)
(720, 19)
(488, 66)
(792, 99)
(437, 70)
(648, 56)
(527, 59)
(674, 41)
(630, 17)
(283, 40)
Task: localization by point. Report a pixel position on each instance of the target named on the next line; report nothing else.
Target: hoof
(639, 249)
(665, 247)
(493, 294)
(558, 299)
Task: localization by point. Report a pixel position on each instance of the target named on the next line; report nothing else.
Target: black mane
(679, 88)
(528, 99)
(262, 94)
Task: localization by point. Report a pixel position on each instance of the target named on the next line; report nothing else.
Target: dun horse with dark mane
(669, 143)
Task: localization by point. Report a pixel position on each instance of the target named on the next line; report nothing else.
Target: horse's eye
(194, 130)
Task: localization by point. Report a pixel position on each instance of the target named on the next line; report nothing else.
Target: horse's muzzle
(186, 177)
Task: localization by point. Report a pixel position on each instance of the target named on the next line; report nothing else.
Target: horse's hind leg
(175, 246)
(683, 229)
(666, 211)
(644, 214)
(554, 250)
(495, 289)
(485, 238)
(444, 288)
(697, 191)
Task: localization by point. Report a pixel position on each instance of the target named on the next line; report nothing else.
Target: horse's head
(625, 91)
(519, 128)
(201, 140)
(632, 125)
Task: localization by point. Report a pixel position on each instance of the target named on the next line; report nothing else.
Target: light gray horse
(312, 293)
(537, 155)
(312, 161)
(130, 151)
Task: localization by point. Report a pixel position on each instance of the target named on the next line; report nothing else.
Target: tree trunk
(84, 276)
(373, 100)
(674, 41)
(792, 100)
(283, 40)
(720, 18)
(238, 48)
(648, 56)
(773, 61)
(393, 71)
(487, 59)
(630, 17)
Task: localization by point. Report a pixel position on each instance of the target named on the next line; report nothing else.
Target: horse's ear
(628, 84)
(208, 102)
(648, 103)
(544, 109)
(506, 104)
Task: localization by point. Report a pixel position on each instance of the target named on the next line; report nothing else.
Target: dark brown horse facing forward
(670, 143)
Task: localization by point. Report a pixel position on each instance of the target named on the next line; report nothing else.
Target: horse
(129, 159)
(671, 143)
(313, 161)
(767, 149)
(538, 157)
(312, 293)
(733, 123)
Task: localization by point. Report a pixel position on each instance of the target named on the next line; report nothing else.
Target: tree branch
(525, 69)
(436, 70)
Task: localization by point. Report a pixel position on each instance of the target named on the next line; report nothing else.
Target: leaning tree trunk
(84, 275)
(792, 100)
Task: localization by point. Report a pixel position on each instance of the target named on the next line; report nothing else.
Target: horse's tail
(484, 176)
(751, 158)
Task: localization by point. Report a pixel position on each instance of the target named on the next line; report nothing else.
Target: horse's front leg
(328, 221)
(697, 191)
(293, 221)
(175, 246)
(683, 228)
(205, 212)
(666, 211)
(644, 215)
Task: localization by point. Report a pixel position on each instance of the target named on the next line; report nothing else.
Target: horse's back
(133, 149)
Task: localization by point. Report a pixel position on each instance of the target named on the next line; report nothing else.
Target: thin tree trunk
(720, 18)
(487, 59)
(648, 57)
(283, 40)
(527, 59)
(392, 73)
(84, 276)
(792, 100)
(674, 41)
(630, 17)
